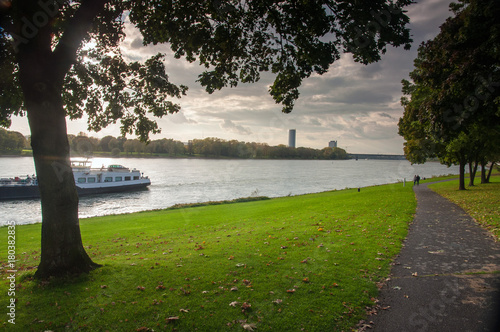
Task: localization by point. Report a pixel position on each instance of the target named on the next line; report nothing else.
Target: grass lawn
(480, 201)
(303, 263)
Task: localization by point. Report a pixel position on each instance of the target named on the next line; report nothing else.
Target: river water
(176, 181)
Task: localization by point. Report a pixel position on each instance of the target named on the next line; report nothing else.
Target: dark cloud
(385, 115)
(237, 129)
(363, 96)
(136, 43)
(370, 71)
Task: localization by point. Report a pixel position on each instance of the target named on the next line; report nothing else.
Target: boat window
(108, 179)
(118, 178)
(136, 178)
(91, 180)
(127, 178)
(82, 180)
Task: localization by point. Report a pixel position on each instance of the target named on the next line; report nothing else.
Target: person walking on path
(446, 276)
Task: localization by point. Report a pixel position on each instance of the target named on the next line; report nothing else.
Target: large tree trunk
(42, 70)
(62, 250)
(489, 172)
(472, 172)
(483, 171)
(461, 185)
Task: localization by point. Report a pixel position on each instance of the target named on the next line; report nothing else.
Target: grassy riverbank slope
(308, 262)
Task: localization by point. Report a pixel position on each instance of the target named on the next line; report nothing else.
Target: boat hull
(32, 192)
(19, 192)
(112, 189)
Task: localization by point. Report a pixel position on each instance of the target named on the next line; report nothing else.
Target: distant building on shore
(332, 144)
(291, 138)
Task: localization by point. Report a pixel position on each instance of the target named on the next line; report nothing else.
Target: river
(176, 181)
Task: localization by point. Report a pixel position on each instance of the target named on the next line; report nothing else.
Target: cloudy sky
(356, 105)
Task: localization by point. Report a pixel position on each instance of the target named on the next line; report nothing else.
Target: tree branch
(77, 29)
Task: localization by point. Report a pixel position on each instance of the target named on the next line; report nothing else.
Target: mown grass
(479, 201)
(303, 263)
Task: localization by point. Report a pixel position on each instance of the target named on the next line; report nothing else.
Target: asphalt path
(447, 276)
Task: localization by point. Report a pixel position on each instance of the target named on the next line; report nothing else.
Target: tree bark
(461, 185)
(483, 171)
(472, 172)
(489, 172)
(62, 250)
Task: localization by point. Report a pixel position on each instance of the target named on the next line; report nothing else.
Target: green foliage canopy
(12, 142)
(233, 40)
(452, 111)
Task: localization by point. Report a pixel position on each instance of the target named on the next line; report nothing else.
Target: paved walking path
(446, 277)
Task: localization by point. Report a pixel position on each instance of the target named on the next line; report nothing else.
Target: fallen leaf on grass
(278, 301)
(290, 290)
(185, 292)
(143, 328)
(234, 304)
(248, 327)
(184, 310)
(172, 319)
(245, 307)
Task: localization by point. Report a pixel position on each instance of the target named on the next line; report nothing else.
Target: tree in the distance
(61, 59)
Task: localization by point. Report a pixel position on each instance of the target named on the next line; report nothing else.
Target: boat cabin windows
(91, 180)
(127, 178)
(82, 180)
(108, 179)
(118, 178)
(136, 178)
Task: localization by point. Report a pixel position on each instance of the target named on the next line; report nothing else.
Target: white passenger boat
(88, 180)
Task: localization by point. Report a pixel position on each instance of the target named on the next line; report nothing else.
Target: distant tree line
(216, 147)
(12, 142)
(208, 148)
